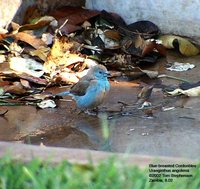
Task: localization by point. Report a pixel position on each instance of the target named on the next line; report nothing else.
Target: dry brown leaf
(139, 42)
(3, 36)
(119, 61)
(112, 34)
(161, 49)
(74, 15)
(16, 88)
(31, 13)
(140, 47)
(151, 46)
(133, 45)
(25, 83)
(68, 78)
(148, 48)
(108, 42)
(33, 79)
(30, 39)
(69, 28)
(4, 83)
(11, 74)
(43, 21)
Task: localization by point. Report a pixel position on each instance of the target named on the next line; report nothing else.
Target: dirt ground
(174, 133)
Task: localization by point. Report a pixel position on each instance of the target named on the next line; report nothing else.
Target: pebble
(145, 134)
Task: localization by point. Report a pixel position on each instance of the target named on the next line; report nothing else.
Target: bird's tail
(63, 93)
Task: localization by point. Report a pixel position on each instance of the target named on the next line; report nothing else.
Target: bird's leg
(96, 110)
(92, 113)
(80, 112)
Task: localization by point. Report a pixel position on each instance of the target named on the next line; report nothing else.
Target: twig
(58, 30)
(123, 103)
(136, 32)
(186, 117)
(4, 113)
(173, 77)
(94, 48)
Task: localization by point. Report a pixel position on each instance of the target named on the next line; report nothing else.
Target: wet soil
(174, 133)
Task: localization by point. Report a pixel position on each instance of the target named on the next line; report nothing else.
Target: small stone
(164, 109)
(145, 134)
(42, 145)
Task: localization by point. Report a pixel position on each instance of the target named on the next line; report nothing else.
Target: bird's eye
(100, 72)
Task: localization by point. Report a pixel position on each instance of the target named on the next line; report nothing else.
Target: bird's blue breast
(94, 95)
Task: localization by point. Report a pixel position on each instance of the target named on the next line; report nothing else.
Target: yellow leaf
(189, 92)
(41, 53)
(187, 48)
(184, 45)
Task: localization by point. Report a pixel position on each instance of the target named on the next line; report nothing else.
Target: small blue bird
(91, 89)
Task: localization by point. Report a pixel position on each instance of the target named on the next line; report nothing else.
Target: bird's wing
(81, 87)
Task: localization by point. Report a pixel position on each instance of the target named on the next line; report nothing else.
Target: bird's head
(99, 71)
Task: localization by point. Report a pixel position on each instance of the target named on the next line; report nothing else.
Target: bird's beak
(107, 74)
